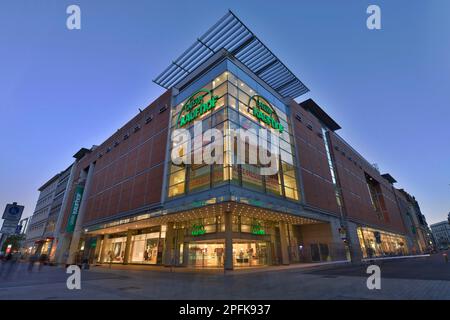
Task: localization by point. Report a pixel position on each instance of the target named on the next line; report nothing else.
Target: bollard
(445, 257)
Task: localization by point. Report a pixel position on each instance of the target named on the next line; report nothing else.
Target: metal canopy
(231, 34)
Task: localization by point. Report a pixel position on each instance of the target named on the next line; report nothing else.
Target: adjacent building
(130, 202)
(23, 225)
(42, 233)
(415, 222)
(441, 233)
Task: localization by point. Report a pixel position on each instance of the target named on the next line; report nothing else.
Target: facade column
(104, 248)
(355, 246)
(274, 259)
(168, 249)
(186, 254)
(63, 239)
(62, 248)
(127, 246)
(284, 243)
(228, 264)
(97, 252)
(338, 249)
(179, 239)
(79, 223)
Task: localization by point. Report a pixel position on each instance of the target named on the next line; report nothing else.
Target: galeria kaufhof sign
(263, 111)
(196, 106)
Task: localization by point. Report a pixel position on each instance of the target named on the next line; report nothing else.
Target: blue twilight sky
(389, 90)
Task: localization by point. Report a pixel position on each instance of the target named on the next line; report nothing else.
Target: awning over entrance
(208, 211)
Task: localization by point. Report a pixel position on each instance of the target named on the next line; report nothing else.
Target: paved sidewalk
(133, 267)
(420, 278)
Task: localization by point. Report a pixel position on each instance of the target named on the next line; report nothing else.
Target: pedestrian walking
(42, 260)
(12, 264)
(8, 265)
(66, 258)
(32, 260)
(111, 257)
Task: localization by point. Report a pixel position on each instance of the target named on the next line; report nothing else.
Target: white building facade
(441, 233)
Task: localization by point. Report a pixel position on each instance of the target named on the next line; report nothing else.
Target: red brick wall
(351, 167)
(130, 176)
(317, 183)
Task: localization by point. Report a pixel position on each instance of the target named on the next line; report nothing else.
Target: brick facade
(130, 175)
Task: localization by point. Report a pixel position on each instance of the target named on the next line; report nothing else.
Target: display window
(115, 250)
(206, 254)
(377, 243)
(145, 248)
(249, 254)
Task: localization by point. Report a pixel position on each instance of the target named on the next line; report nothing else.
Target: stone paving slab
(282, 284)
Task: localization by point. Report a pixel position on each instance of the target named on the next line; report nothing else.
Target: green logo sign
(75, 208)
(196, 106)
(198, 229)
(257, 229)
(263, 111)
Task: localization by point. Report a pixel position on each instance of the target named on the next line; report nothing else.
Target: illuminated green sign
(257, 229)
(196, 106)
(198, 230)
(263, 111)
(78, 195)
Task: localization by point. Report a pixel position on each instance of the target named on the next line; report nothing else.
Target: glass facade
(232, 110)
(229, 100)
(332, 168)
(241, 224)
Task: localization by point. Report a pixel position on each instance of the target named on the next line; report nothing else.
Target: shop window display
(206, 255)
(375, 243)
(145, 248)
(115, 250)
(249, 254)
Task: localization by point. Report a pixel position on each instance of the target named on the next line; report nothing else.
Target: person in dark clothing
(32, 260)
(42, 260)
(6, 264)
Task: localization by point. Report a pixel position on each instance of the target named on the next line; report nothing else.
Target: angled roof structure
(231, 34)
(316, 110)
(389, 178)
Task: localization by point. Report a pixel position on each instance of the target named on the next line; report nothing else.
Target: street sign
(8, 229)
(13, 212)
(18, 228)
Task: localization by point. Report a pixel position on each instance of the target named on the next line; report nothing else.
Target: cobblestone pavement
(419, 278)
